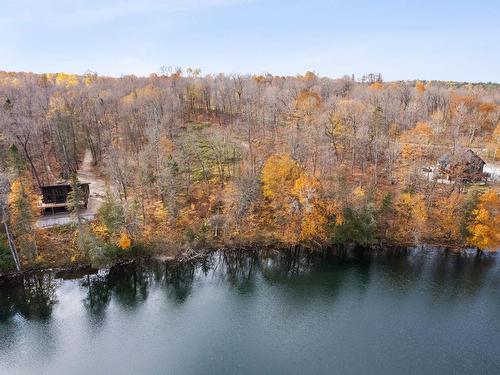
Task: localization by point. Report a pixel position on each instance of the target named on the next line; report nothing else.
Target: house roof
(63, 184)
(462, 156)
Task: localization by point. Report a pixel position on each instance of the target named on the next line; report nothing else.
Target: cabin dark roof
(464, 156)
(63, 184)
(56, 195)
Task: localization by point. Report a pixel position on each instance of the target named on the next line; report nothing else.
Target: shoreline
(84, 269)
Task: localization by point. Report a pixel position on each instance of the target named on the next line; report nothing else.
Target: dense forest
(195, 162)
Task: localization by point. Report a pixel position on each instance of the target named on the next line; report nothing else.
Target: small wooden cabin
(56, 196)
(464, 165)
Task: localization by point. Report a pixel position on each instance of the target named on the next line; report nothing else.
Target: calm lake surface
(424, 312)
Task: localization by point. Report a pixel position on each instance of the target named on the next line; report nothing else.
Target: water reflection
(299, 272)
(127, 283)
(97, 297)
(31, 297)
(178, 280)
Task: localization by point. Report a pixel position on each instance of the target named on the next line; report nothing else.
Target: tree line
(238, 160)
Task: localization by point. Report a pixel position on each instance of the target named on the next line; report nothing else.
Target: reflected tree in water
(299, 272)
(31, 296)
(239, 268)
(129, 283)
(97, 297)
(459, 274)
(179, 280)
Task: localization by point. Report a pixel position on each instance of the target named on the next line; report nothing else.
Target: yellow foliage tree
(305, 189)
(411, 218)
(308, 213)
(100, 230)
(446, 226)
(278, 176)
(300, 213)
(157, 226)
(22, 208)
(376, 86)
(312, 213)
(484, 229)
(68, 80)
(336, 132)
(313, 223)
(89, 78)
(359, 192)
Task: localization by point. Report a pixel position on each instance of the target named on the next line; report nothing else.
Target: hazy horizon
(204, 74)
(445, 41)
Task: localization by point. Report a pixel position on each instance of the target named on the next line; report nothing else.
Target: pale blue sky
(439, 39)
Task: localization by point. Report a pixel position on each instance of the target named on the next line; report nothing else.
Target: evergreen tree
(111, 213)
(76, 198)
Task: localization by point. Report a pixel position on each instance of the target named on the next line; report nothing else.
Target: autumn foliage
(484, 229)
(124, 242)
(23, 209)
(197, 161)
(279, 175)
(301, 212)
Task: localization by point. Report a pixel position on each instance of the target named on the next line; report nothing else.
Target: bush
(6, 261)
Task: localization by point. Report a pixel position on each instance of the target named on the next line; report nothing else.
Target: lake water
(424, 312)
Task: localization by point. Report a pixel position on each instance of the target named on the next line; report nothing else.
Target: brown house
(464, 165)
(55, 197)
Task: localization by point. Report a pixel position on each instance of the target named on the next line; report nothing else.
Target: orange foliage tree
(445, 213)
(124, 242)
(420, 87)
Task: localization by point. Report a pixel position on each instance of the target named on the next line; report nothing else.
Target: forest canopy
(237, 160)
